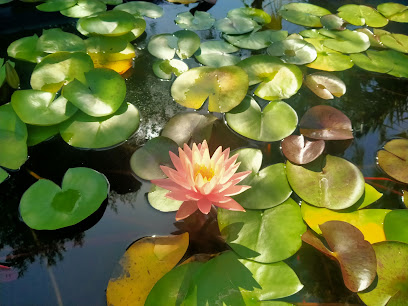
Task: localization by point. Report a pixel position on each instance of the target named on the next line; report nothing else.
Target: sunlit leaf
(360, 15)
(143, 8)
(55, 40)
(256, 40)
(164, 69)
(301, 151)
(303, 13)
(393, 159)
(293, 51)
(377, 61)
(397, 42)
(257, 15)
(394, 11)
(395, 225)
(38, 134)
(369, 197)
(311, 33)
(346, 41)
(158, 200)
(25, 49)
(216, 53)
(325, 85)
(84, 8)
(332, 22)
(235, 25)
(3, 175)
(374, 39)
(56, 5)
(199, 21)
(46, 206)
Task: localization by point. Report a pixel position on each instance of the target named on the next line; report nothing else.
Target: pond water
(73, 266)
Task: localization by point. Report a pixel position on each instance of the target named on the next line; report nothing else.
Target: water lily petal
(168, 184)
(176, 162)
(173, 175)
(178, 196)
(186, 209)
(204, 205)
(233, 190)
(231, 205)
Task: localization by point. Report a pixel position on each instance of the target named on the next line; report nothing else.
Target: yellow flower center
(206, 173)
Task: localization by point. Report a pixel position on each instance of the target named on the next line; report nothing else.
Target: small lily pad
(143, 8)
(38, 134)
(216, 53)
(255, 14)
(56, 5)
(84, 8)
(346, 41)
(158, 200)
(398, 42)
(256, 40)
(332, 22)
(84, 131)
(395, 225)
(293, 51)
(360, 15)
(275, 122)
(197, 22)
(301, 151)
(393, 159)
(235, 25)
(304, 14)
(325, 85)
(3, 175)
(46, 206)
(394, 11)
(164, 69)
(55, 40)
(25, 49)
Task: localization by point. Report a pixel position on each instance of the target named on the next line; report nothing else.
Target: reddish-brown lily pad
(393, 159)
(355, 255)
(327, 123)
(300, 150)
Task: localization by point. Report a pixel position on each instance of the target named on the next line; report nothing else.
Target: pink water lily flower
(201, 180)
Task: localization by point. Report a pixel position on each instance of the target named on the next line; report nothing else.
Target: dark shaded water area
(73, 266)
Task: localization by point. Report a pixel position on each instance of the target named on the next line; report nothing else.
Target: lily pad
(60, 68)
(145, 262)
(12, 78)
(393, 159)
(146, 161)
(143, 8)
(325, 85)
(38, 134)
(85, 131)
(275, 122)
(368, 221)
(25, 49)
(269, 186)
(395, 225)
(164, 69)
(225, 87)
(330, 182)
(266, 236)
(374, 38)
(293, 51)
(333, 22)
(101, 94)
(255, 14)
(346, 41)
(327, 123)
(391, 289)
(13, 137)
(377, 61)
(216, 53)
(46, 206)
(184, 43)
(312, 33)
(305, 14)
(84, 8)
(158, 200)
(277, 80)
(394, 11)
(236, 25)
(256, 40)
(56, 5)
(3, 175)
(355, 255)
(197, 22)
(398, 42)
(41, 107)
(301, 151)
(360, 15)
(55, 40)
(369, 197)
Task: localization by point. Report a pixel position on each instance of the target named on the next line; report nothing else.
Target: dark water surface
(73, 266)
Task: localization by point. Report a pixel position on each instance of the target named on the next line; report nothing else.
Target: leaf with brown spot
(300, 150)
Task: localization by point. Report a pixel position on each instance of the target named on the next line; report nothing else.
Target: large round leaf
(293, 51)
(264, 235)
(143, 8)
(301, 151)
(258, 15)
(395, 225)
(46, 206)
(199, 21)
(55, 40)
(360, 15)
(346, 41)
(235, 25)
(216, 53)
(41, 107)
(85, 131)
(377, 61)
(60, 68)
(25, 49)
(394, 159)
(84, 8)
(394, 11)
(225, 87)
(277, 80)
(101, 94)
(256, 40)
(56, 5)
(330, 182)
(275, 122)
(269, 186)
(303, 13)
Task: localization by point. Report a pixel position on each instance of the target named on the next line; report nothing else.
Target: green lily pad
(13, 137)
(12, 78)
(25, 49)
(84, 131)
(225, 87)
(346, 41)
(112, 2)
(46, 206)
(216, 53)
(293, 51)
(328, 59)
(301, 151)
(374, 38)
(332, 22)
(56, 5)
(164, 69)
(105, 44)
(101, 94)
(377, 61)
(392, 286)
(55, 40)
(197, 22)
(40, 107)
(393, 159)
(360, 15)
(277, 80)
(400, 68)
(84, 8)
(189, 128)
(305, 14)
(330, 182)
(398, 42)
(370, 196)
(312, 33)
(395, 225)
(325, 85)
(256, 40)
(269, 186)
(255, 14)
(158, 200)
(184, 43)
(235, 25)
(276, 121)
(394, 11)
(38, 134)
(3, 175)
(266, 236)
(146, 161)
(143, 8)
(60, 68)
(5, 1)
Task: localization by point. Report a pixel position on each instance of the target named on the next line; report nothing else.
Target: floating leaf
(3, 175)
(395, 225)
(275, 122)
(269, 235)
(145, 262)
(360, 15)
(235, 25)
(312, 33)
(391, 288)
(255, 14)
(393, 159)
(146, 161)
(278, 80)
(215, 53)
(301, 151)
(325, 122)
(256, 40)
(355, 255)
(5, 1)
(38, 134)
(303, 13)
(377, 61)
(184, 43)
(332, 22)
(85, 131)
(143, 8)
(164, 69)
(112, 2)
(199, 21)
(293, 51)
(368, 221)
(84, 8)
(225, 87)
(325, 85)
(269, 186)
(25, 49)
(60, 68)
(101, 94)
(56, 5)
(12, 77)
(394, 11)
(46, 206)
(330, 182)
(369, 197)
(374, 39)
(55, 40)
(158, 200)
(346, 41)
(397, 42)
